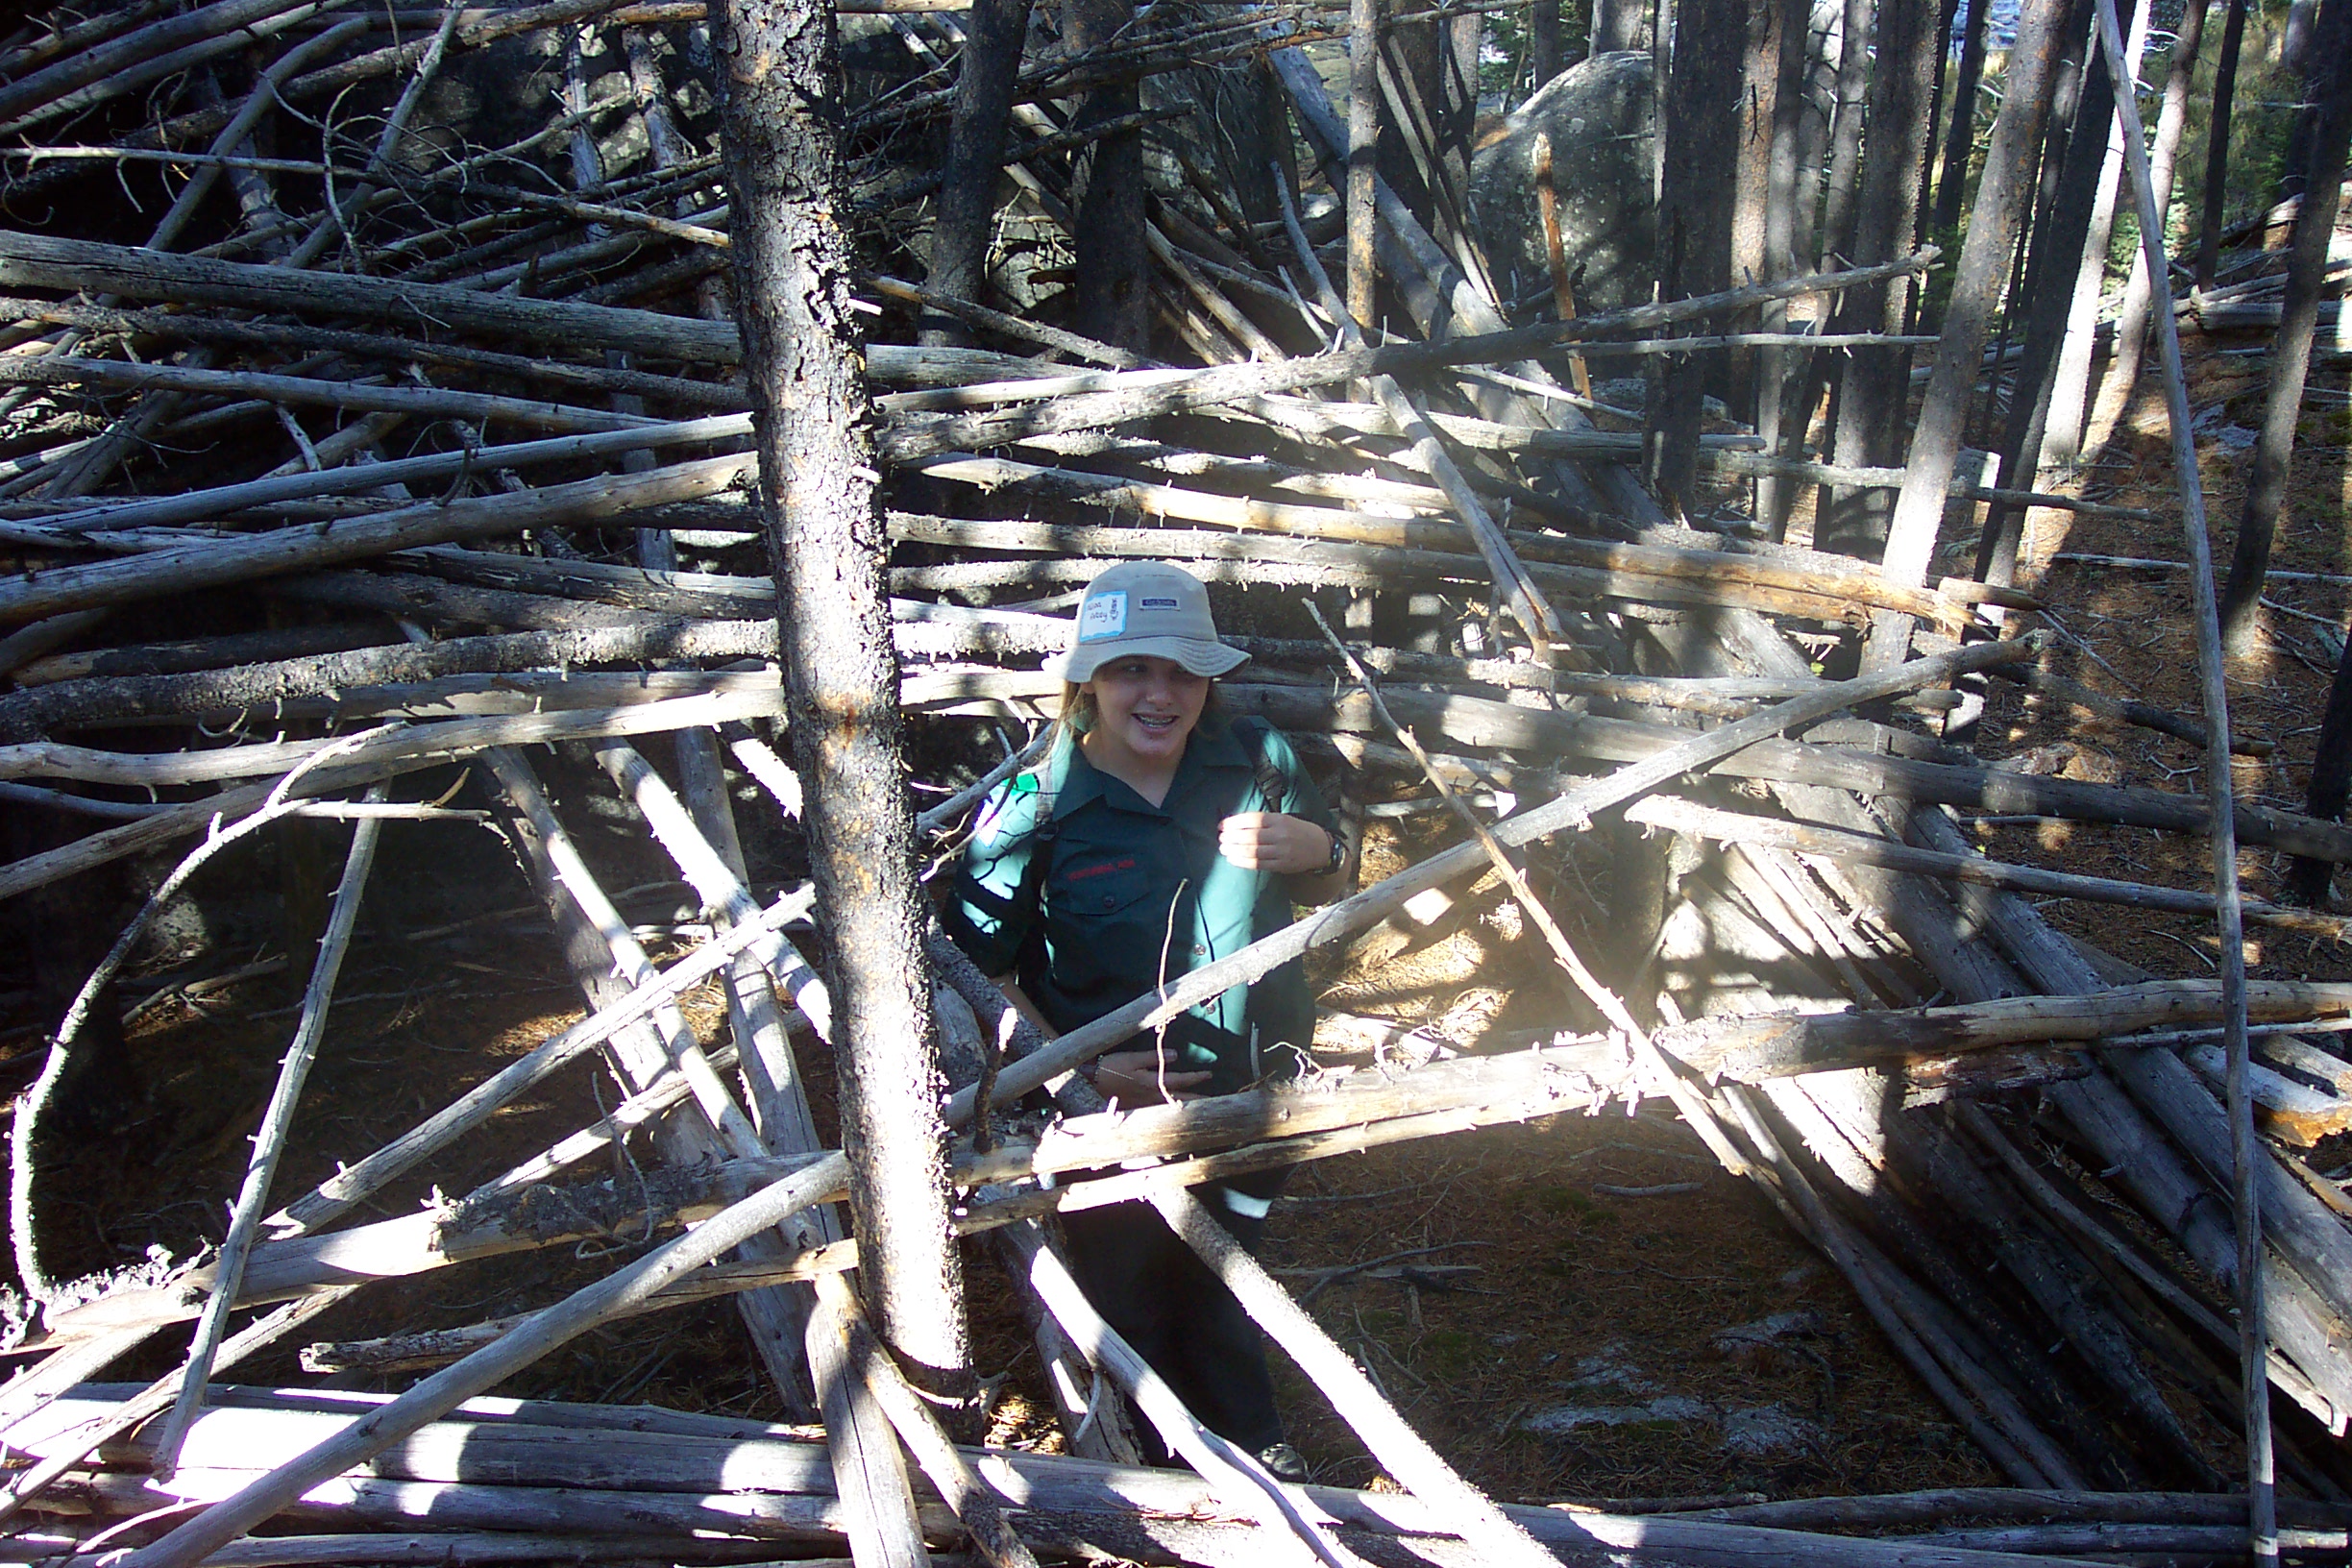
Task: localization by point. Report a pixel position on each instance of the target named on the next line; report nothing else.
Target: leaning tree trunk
(2001, 196)
(960, 232)
(2265, 494)
(2132, 322)
(2217, 146)
(1873, 391)
(2050, 277)
(1694, 221)
(1113, 285)
(803, 354)
(1960, 141)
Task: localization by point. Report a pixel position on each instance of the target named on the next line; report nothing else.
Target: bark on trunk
(1694, 222)
(1960, 139)
(1992, 227)
(976, 147)
(2217, 146)
(781, 74)
(2299, 317)
(1619, 24)
(2131, 324)
(1114, 286)
(1544, 42)
(2058, 255)
(1871, 396)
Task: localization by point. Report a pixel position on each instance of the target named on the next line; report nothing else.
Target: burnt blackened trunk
(2265, 494)
(803, 353)
(975, 143)
(1694, 222)
(1114, 286)
(1875, 386)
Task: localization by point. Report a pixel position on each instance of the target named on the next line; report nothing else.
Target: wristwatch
(1339, 853)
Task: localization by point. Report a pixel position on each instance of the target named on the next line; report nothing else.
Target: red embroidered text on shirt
(1084, 871)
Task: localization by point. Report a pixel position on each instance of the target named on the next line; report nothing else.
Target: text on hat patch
(1158, 604)
(1102, 615)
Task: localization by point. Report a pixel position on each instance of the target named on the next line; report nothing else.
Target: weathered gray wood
(63, 370)
(1741, 827)
(269, 1144)
(546, 1330)
(553, 1445)
(1573, 809)
(2249, 1165)
(192, 567)
(1983, 263)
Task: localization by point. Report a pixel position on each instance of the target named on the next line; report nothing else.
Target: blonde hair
(1079, 711)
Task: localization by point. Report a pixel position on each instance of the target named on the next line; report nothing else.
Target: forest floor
(1556, 1330)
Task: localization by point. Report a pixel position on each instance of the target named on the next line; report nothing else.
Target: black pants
(1178, 1315)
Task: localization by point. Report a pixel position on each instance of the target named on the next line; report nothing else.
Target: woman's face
(1145, 707)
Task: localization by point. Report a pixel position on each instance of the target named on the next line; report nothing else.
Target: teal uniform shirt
(1114, 894)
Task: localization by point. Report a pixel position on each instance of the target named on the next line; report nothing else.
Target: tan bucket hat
(1145, 608)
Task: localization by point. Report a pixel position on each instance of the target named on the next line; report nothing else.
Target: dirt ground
(1534, 1274)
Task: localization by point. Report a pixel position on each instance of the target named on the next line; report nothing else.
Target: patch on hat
(1102, 615)
(1158, 604)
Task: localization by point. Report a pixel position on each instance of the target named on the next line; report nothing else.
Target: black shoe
(1284, 1463)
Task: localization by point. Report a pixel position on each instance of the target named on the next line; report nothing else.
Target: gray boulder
(1598, 117)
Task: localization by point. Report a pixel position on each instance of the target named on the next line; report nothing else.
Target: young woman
(1155, 836)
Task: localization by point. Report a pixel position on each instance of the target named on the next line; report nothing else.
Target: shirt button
(1198, 950)
(1107, 901)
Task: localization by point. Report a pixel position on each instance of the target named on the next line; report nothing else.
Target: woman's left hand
(1267, 841)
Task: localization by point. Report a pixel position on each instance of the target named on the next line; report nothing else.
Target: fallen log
(1740, 827)
(1476, 721)
(1266, 1126)
(544, 1448)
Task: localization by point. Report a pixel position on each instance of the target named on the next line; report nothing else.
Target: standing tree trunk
(2061, 432)
(1619, 24)
(2265, 494)
(1770, 22)
(1694, 222)
(781, 76)
(1960, 141)
(1874, 390)
(2216, 145)
(2001, 196)
(1854, 76)
(2048, 294)
(2132, 322)
(1794, 53)
(1543, 25)
(1113, 287)
(975, 143)
(1365, 18)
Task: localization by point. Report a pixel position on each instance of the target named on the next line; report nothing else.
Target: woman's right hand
(1134, 1078)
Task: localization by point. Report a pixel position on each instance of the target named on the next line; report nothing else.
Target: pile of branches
(425, 453)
